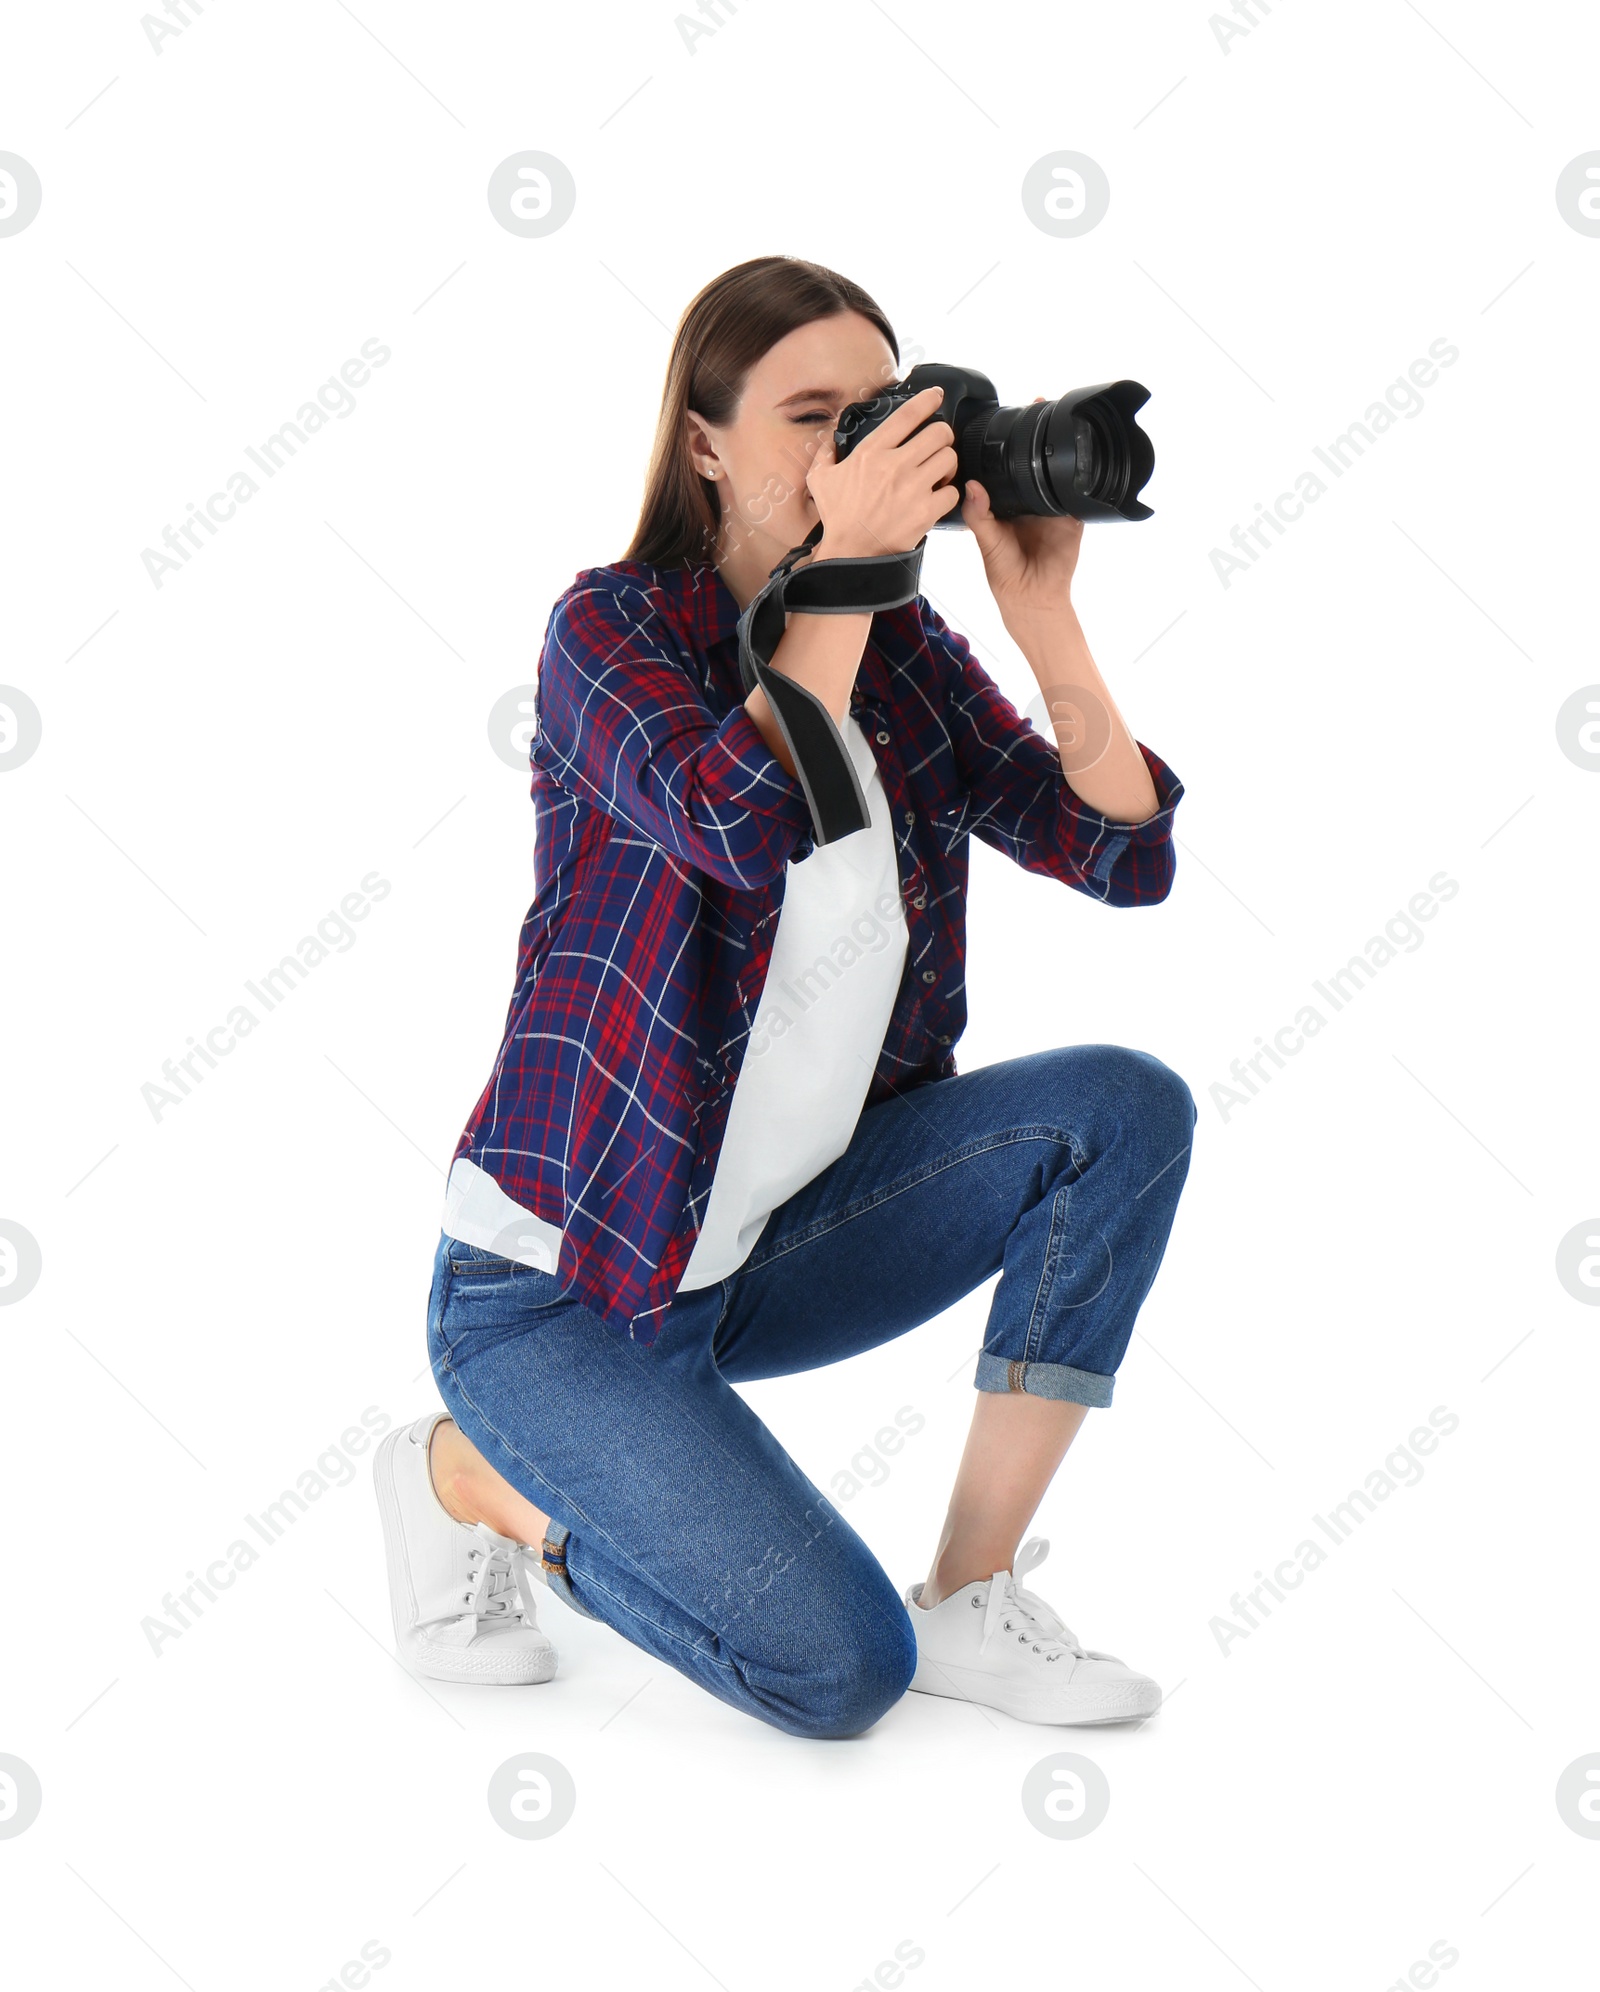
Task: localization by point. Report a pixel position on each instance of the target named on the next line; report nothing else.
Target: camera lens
(1082, 454)
(1086, 465)
(1102, 467)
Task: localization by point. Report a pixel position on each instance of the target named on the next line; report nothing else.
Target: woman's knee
(1164, 1094)
(1136, 1088)
(865, 1677)
(864, 1670)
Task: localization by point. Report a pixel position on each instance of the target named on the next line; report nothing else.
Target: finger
(975, 513)
(896, 427)
(928, 443)
(944, 468)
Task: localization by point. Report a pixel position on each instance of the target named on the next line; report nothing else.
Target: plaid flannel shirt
(663, 828)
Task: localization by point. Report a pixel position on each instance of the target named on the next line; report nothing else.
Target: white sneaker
(462, 1604)
(996, 1643)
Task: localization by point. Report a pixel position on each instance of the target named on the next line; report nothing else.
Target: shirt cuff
(1169, 792)
(1112, 841)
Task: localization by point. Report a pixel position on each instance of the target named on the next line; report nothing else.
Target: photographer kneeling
(640, 1216)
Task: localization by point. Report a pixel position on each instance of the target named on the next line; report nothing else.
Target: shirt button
(930, 975)
(883, 738)
(943, 1038)
(920, 903)
(911, 816)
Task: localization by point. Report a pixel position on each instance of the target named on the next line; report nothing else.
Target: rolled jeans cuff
(553, 1567)
(1061, 1380)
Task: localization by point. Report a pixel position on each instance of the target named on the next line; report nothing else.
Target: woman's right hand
(891, 488)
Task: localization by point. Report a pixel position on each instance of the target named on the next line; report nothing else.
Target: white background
(224, 1290)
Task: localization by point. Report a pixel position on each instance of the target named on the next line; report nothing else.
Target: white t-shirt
(837, 959)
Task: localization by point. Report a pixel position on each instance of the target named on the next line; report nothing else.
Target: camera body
(1081, 456)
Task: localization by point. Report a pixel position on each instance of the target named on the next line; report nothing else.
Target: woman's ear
(702, 453)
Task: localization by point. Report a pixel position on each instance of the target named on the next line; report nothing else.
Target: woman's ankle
(450, 1486)
(959, 1564)
(470, 1491)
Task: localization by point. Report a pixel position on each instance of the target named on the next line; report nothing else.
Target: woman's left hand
(1029, 561)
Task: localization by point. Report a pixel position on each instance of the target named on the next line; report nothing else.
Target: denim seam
(446, 1344)
(632, 1611)
(882, 1195)
(1047, 1276)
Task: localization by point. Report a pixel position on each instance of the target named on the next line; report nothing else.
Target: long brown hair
(725, 330)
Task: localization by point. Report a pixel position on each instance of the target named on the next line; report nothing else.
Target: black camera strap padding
(851, 585)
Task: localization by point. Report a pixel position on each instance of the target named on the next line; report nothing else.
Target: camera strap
(847, 586)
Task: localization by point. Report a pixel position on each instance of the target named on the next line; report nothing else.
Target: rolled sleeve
(621, 721)
(1126, 864)
(1019, 800)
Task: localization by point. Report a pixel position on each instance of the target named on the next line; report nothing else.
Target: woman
(725, 1138)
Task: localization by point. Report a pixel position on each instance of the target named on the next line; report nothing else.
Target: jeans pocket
(483, 1287)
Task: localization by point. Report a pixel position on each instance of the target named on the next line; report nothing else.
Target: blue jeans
(675, 1515)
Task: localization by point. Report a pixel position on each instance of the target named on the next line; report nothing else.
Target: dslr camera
(1082, 455)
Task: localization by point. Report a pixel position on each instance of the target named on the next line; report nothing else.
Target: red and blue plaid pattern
(663, 829)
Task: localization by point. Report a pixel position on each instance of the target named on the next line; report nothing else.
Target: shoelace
(501, 1593)
(1041, 1627)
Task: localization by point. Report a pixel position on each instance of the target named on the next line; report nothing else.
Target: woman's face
(792, 396)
